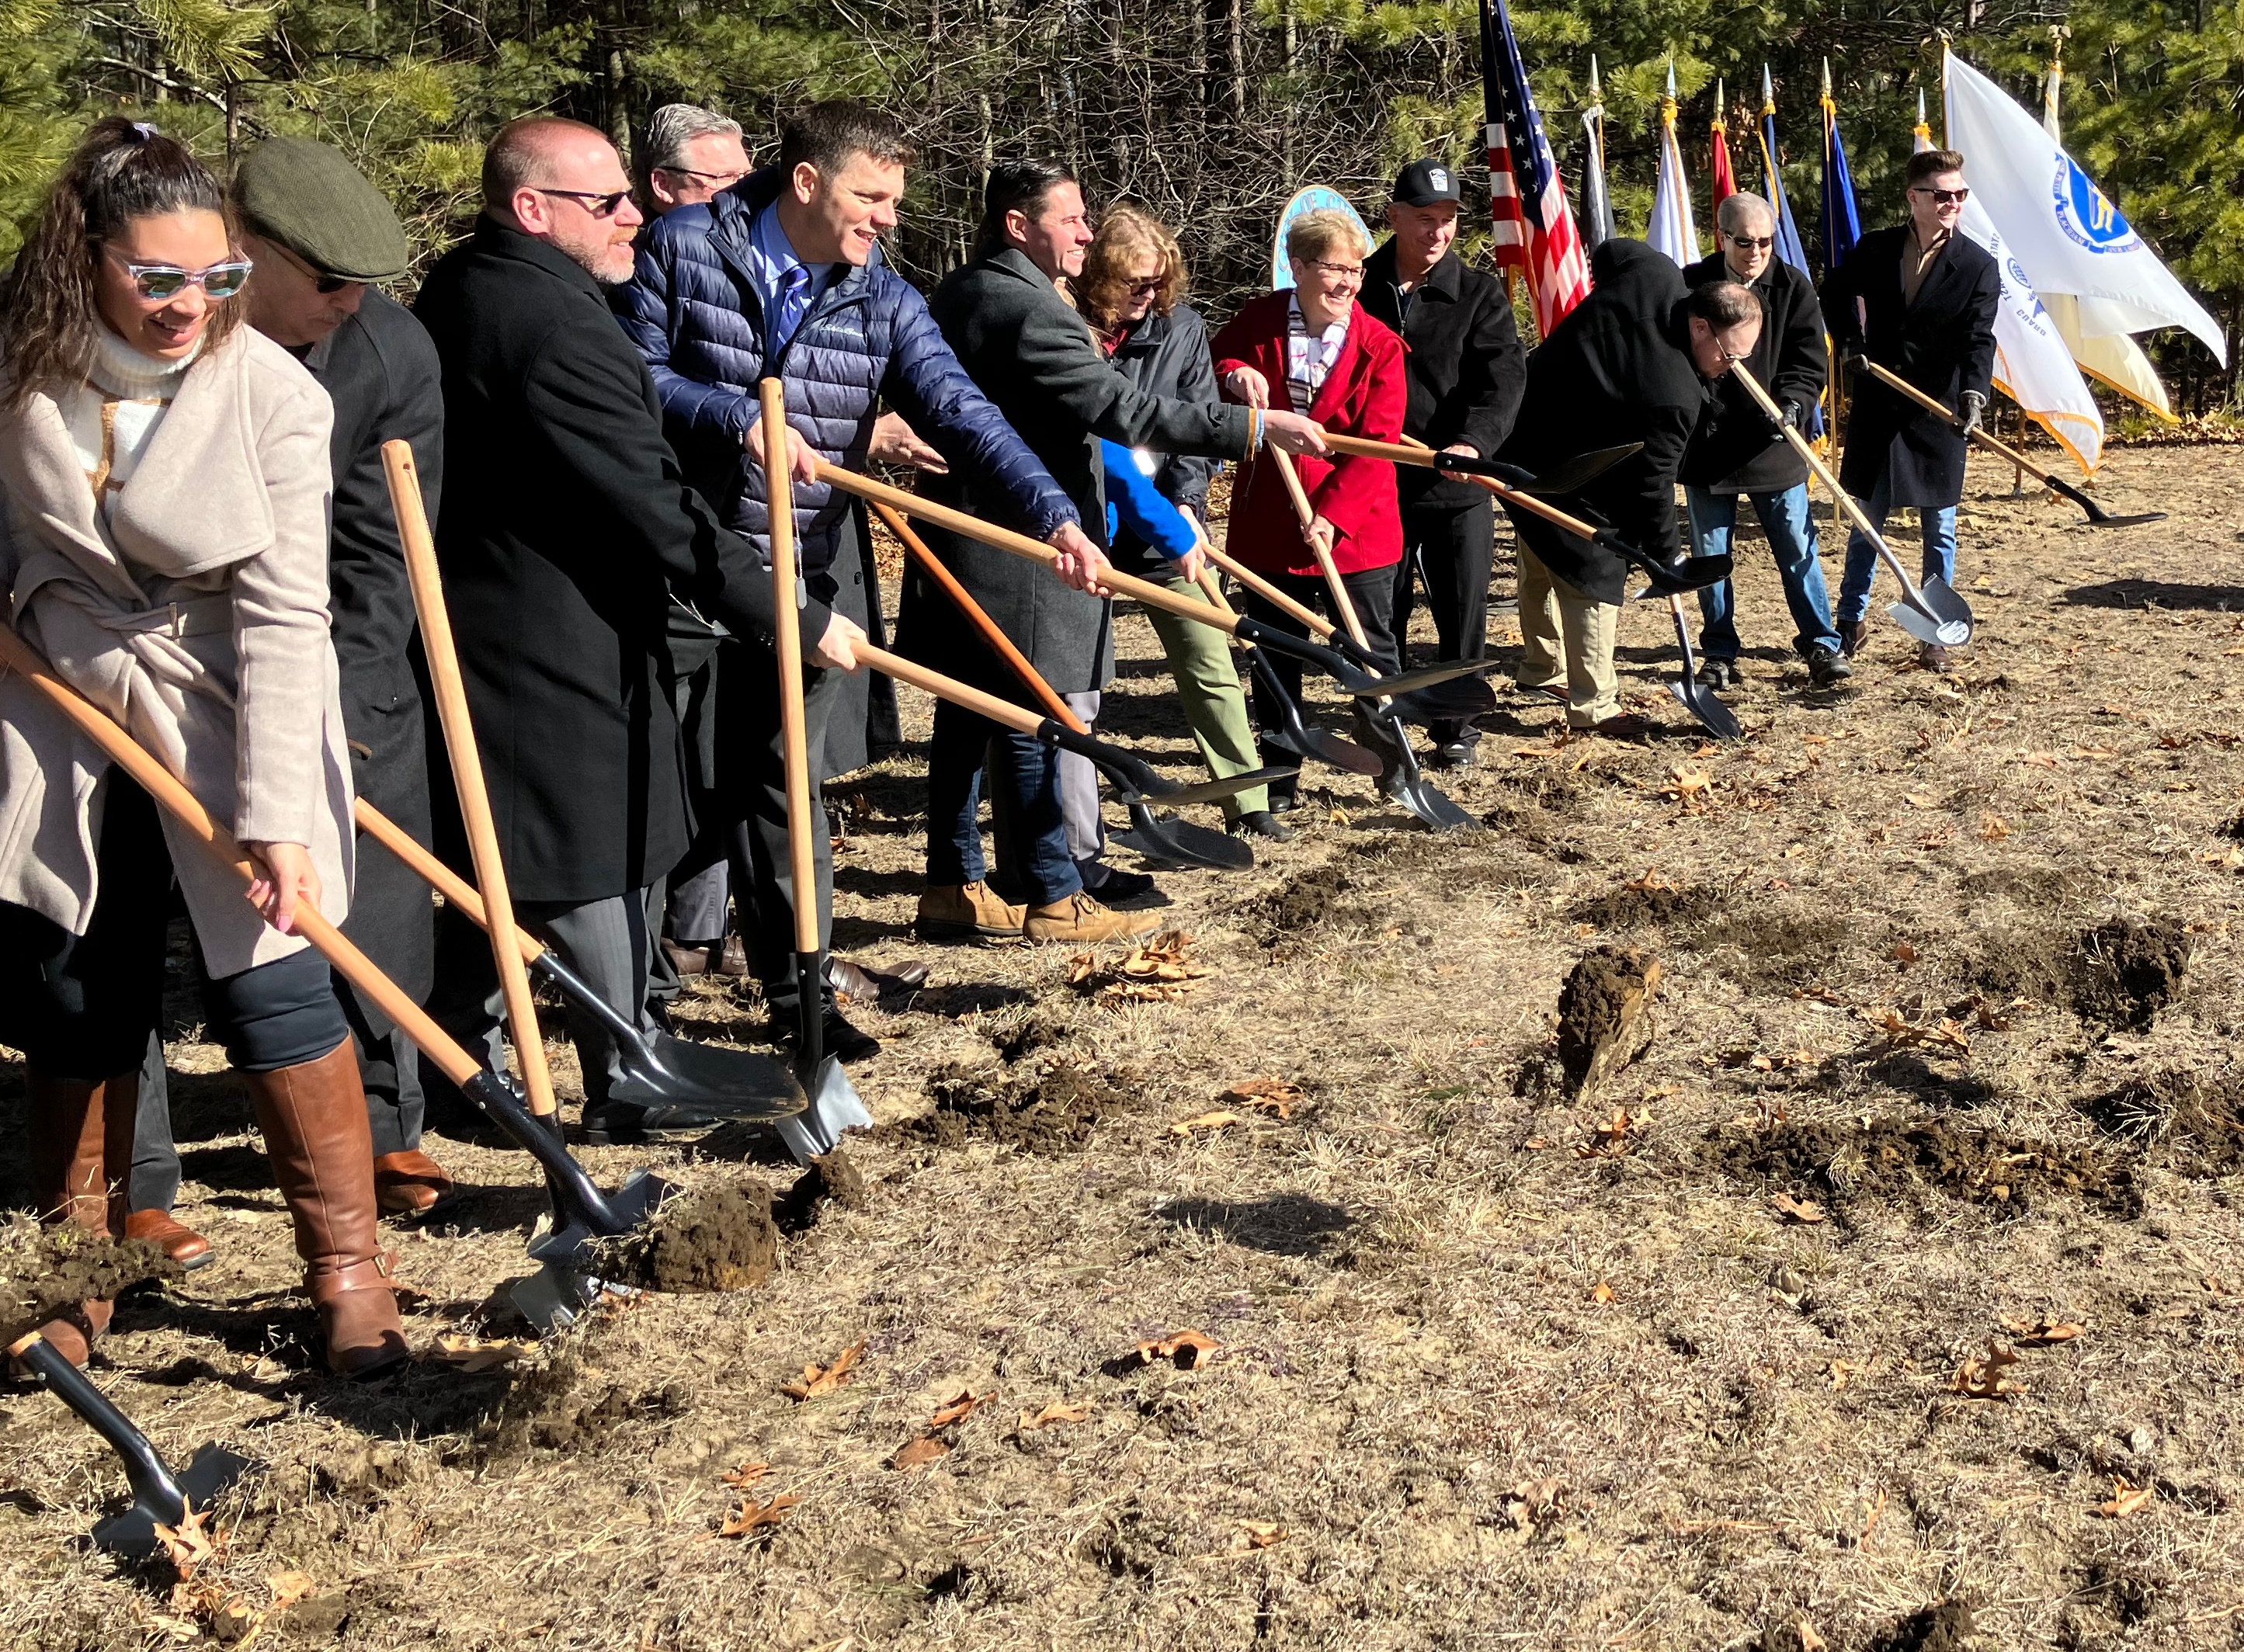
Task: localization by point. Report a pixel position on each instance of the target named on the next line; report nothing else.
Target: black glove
(1789, 418)
(1975, 409)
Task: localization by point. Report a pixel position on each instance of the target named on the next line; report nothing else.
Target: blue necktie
(787, 311)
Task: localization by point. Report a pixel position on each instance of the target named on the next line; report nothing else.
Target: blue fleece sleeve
(1137, 499)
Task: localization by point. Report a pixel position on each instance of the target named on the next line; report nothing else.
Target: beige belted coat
(199, 621)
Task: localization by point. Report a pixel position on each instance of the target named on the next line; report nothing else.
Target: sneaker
(1853, 633)
(1080, 919)
(1718, 674)
(1827, 665)
(966, 912)
(1262, 823)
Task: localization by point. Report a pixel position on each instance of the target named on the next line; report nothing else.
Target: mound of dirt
(1312, 898)
(44, 1270)
(832, 1181)
(546, 1409)
(2193, 1120)
(1638, 906)
(2119, 973)
(1603, 1025)
(1053, 1111)
(1894, 1158)
(722, 1238)
(1948, 1627)
(1780, 944)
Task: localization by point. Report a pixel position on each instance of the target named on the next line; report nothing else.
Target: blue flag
(1788, 247)
(1842, 225)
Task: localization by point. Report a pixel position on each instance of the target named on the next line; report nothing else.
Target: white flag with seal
(2033, 366)
(2062, 230)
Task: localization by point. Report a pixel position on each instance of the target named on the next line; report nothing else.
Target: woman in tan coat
(164, 481)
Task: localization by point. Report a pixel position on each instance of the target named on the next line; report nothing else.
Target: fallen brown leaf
(959, 1407)
(1809, 1641)
(1618, 1134)
(752, 1516)
(1052, 1415)
(2041, 1331)
(746, 1476)
(1984, 1378)
(1904, 1034)
(1692, 788)
(1797, 1209)
(1904, 952)
(824, 1379)
(1201, 1347)
(1272, 1094)
(1842, 1372)
(1209, 1121)
(473, 1355)
(2125, 1500)
(1993, 829)
(1603, 1295)
(1154, 973)
(919, 1454)
(1263, 1533)
(288, 1587)
(1532, 1501)
(1650, 881)
(189, 1544)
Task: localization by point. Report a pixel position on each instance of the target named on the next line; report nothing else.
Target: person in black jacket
(1736, 451)
(1467, 372)
(1632, 362)
(564, 530)
(1034, 356)
(1919, 300)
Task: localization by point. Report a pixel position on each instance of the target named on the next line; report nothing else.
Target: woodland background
(1212, 111)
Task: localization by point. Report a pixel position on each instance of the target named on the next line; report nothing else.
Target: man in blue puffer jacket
(782, 273)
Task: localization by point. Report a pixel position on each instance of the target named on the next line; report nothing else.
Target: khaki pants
(1569, 637)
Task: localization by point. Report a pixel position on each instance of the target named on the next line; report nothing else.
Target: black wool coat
(1944, 344)
(1034, 357)
(566, 525)
(1167, 355)
(1736, 449)
(381, 373)
(1617, 370)
(1462, 360)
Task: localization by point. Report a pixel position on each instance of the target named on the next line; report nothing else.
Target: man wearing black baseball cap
(1467, 372)
(320, 235)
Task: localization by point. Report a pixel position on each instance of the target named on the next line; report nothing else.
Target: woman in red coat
(1315, 350)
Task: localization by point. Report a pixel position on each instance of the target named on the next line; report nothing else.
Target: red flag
(1725, 183)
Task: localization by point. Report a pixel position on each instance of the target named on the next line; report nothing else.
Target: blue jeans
(1044, 871)
(1791, 529)
(1862, 556)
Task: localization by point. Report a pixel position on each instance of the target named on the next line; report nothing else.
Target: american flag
(1533, 230)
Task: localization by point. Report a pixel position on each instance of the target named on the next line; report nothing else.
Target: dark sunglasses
(597, 205)
(1755, 242)
(1945, 197)
(325, 284)
(158, 282)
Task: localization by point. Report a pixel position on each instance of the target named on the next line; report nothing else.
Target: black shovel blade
(1179, 843)
(1410, 788)
(1572, 476)
(1695, 573)
(133, 1532)
(1401, 683)
(578, 1205)
(835, 1108)
(1297, 736)
(2098, 516)
(1135, 778)
(569, 1244)
(1214, 791)
(681, 1086)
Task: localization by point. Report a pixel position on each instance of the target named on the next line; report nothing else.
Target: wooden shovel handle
(1993, 444)
(1318, 548)
(420, 548)
(456, 890)
(1017, 718)
(1020, 545)
(931, 565)
(164, 787)
(1815, 462)
(779, 493)
(1420, 455)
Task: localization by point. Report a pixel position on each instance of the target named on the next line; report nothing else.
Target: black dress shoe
(836, 1037)
(1125, 891)
(1262, 823)
(1825, 665)
(1281, 802)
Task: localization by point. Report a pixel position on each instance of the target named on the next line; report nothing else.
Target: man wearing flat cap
(1466, 372)
(320, 234)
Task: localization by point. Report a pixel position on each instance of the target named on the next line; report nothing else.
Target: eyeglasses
(1944, 197)
(599, 205)
(1752, 243)
(1346, 272)
(322, 283)
(156, 283)
(1150, 287)
(715, 181)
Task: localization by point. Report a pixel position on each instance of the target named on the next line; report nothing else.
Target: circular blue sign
(1316, 198)
(2086, 213)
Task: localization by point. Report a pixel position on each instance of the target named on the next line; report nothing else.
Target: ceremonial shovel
(678, 1083)
(2098, 516)
(1934, 613)
(1172, 842)
(559, 1290)
(1411, 789)
(1346, 671)
(159, 1497)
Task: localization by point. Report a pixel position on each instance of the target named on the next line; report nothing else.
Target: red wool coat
(1364, 395)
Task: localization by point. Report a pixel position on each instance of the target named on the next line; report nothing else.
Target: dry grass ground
(1492, 1368)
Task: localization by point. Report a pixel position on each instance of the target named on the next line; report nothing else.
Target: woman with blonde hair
(164, 490)
(1314, 349)
(1131, 292)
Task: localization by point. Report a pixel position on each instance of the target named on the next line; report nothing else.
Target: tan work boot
(965, 912)
(1081, 920)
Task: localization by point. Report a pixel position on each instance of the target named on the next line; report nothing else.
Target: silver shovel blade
(1926, 627)
(835, 1106)
(555, 1297)
(1950, 608)
(1717, 719)
(133, 1532)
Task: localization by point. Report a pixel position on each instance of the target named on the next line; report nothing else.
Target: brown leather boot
(173, 1238)
(76, 1129)
(314, 1118)
(410, 1183)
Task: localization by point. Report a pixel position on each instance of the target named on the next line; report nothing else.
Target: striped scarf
(1310, 360)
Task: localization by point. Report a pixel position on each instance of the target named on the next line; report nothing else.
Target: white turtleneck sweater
(113, 416)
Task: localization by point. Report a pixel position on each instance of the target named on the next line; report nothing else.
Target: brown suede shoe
(966, 912)
(729, 957)
(410, 1183)
(313, 1119)
(175, 1239)
(1081, 920)
(1853, 633)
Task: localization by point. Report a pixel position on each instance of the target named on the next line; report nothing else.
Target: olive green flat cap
(312, 200)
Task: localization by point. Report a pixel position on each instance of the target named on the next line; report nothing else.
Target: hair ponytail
(122, 170)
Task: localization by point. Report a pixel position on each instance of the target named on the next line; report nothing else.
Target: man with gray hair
(1737, 451)
(689, 153)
